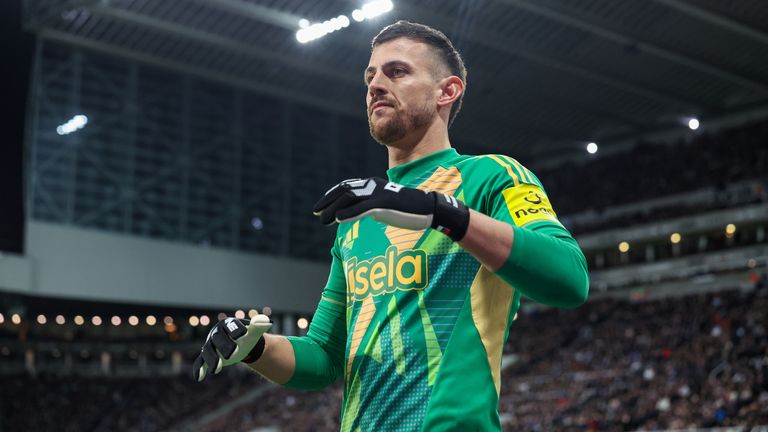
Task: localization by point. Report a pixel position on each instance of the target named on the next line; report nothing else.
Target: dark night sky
(16, 63)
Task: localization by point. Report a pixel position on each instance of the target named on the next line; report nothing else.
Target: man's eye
(398, 71)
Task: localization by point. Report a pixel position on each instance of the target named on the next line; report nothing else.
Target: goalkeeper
(428, 266)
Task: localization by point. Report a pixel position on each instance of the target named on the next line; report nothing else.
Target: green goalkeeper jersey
(415, 324)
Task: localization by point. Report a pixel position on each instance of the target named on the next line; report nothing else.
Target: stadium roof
(545, 76)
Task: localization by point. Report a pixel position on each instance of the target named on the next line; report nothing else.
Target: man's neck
(431, 140)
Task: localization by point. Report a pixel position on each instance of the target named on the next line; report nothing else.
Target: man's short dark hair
(438, 41)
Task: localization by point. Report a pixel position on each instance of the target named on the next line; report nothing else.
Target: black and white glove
(231, 341)
(393, 204)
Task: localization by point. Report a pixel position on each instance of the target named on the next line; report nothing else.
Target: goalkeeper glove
(231, 341)
(395, 205)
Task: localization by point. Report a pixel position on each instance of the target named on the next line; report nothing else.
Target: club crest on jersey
(395, 270)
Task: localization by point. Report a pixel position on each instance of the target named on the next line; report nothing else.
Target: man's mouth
(378, 105)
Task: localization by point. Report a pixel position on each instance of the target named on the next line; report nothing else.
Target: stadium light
(675, 238)
(194, 321)
(730, 230)
(239, 314)
(267, 311)
(252, 313)
(167, 320)
(116, 321)
(358, 15)
(151, 320)
(133, 320)
(623, 247)
(96, 320)
(79, 320)
(693, 123)
(41, 319)
(592, 148)
(72, 125)
(308, 32)
(302, 323)
(222, 316)
(60, 320)
(16, 318)
(257, 223)
(372, 9)
(318, 30)
(2, 318)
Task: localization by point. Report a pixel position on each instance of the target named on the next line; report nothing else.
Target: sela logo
(406, 270)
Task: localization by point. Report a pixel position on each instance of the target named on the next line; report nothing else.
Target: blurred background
(159, 160)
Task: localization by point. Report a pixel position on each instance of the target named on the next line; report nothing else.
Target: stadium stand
(686, 362)
(672, 363)
(76, 403)
(653, 170)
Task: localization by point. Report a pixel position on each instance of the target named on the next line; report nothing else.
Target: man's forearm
(489, 240)
(278, 361)
(313, 361)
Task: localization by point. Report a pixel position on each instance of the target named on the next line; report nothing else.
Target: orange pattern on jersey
(364, 318)
(445, 181)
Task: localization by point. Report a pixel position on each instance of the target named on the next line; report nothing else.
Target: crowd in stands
(650, 171)
(49, 402)
(673, 363)
(670, 363)
(756, 192)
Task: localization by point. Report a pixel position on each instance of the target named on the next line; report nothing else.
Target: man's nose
(376, 86)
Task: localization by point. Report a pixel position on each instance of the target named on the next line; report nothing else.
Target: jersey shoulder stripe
(512, 172)
(519, 173)
(527, 174)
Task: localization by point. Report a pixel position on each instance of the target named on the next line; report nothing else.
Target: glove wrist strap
(451, 216)
(256, 352)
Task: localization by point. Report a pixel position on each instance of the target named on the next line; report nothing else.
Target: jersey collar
(419, 168)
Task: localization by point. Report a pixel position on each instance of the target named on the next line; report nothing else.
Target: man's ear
(451, 89)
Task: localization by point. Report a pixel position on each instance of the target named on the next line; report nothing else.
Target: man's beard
(394, 129)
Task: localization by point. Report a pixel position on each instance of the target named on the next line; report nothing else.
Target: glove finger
(355, 211)
(211, 358)
(199, 369)
(260, 320)
(260, 323)
(331, 195)
(223, 344)
(234, 328)
(328, 216)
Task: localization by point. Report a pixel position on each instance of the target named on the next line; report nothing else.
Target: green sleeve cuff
(546, 265)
